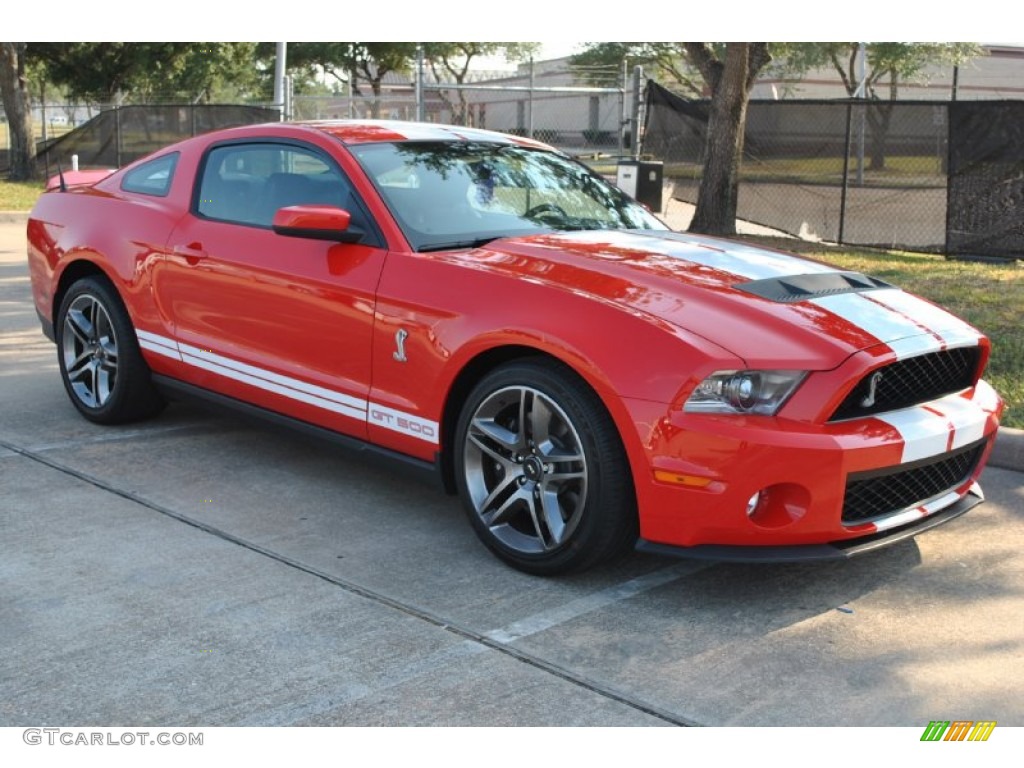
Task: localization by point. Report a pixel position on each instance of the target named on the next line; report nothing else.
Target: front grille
(877, 493)
(910, 382)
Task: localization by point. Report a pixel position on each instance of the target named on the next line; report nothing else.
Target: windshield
(460, 194)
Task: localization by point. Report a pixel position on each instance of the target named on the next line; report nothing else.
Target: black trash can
(642, 180)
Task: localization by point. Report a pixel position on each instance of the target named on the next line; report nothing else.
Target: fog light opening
(778, 505)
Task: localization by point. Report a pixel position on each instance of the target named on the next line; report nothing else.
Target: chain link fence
(874, 173)
(113, 136)
(119, 135)
(577, 120)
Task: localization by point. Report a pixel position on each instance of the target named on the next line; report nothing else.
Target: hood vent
(812, 286)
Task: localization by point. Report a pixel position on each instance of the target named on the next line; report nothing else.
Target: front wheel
(100, 363)
(542, 471)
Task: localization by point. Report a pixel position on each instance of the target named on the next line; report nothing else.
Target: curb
(13, 217)
(1008, 452)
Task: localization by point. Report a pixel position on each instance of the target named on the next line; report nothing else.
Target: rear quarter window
(152, 178)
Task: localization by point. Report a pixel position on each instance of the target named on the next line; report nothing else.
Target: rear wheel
(542, 472)
(100, 362)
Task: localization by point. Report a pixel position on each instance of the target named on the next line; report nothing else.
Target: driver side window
(248, 183)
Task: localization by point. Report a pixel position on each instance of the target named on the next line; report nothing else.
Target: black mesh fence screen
(122, 134)
(893, 174)
(986, 178)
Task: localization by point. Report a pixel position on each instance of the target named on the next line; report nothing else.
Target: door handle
(192, 252)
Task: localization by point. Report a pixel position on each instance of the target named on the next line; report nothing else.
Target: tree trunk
(375, 85)
(17, 107)
(879, 118)
(716, 202)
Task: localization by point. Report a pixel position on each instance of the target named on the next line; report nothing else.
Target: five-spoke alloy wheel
(89, 351)
(100, 363)
(541, 470)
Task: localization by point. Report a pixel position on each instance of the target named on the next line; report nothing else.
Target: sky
(560, 25)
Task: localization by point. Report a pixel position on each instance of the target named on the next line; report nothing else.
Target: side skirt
(425, 471)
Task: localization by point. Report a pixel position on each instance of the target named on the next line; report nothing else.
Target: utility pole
(861, 93)
(529, 104)
(280, 67)
(638, 74)
(420, 111)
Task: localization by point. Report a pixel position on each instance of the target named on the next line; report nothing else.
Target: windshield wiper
(455, 245)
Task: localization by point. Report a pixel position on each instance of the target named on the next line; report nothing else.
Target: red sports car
(484, 308)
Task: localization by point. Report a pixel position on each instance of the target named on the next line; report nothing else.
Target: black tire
(541, 470)
(100, 362)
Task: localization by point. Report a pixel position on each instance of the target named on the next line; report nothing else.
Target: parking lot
(200, 569)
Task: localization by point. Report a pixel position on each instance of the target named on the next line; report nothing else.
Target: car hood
(768, 307)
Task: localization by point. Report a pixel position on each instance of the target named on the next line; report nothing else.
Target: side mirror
(315, 222)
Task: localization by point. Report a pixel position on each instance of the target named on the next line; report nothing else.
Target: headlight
(754, 392)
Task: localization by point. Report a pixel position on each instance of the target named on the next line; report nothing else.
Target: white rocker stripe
(278, 389)
(158, 344)
(203, 358)
(294, 389)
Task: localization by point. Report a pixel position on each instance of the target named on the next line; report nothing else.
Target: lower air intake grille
(874, 494)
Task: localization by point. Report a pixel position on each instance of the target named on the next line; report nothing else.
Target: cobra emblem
(399, 354)
(869, 400)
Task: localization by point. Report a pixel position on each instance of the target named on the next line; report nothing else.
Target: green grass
(19, 195)
(988, 296)
(899, 171)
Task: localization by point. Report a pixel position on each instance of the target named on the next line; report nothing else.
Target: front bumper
(840, 550)
(702, 473)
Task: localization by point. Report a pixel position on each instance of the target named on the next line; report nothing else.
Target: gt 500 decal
(403, 422)
(294, 389)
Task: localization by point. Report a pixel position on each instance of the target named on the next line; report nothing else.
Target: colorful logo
(958, 730)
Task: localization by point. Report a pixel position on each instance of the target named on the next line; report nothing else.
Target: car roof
(365, 131)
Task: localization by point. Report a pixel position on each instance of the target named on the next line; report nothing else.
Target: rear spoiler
(76, 179)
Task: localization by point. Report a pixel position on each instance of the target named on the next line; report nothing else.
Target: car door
(278, 321)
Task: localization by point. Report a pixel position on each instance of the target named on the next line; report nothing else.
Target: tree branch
(704, 59)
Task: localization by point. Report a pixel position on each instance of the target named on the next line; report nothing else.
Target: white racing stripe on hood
(935, 319)
(870, 312)
(908, 325)
(744, 261)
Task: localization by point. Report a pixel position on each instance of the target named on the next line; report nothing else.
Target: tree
(887, 65)
(451, 61)
(211, 72)
(726, 72)
(355, 62)
(729, 78)
(601, 65)
(17, 108)
(111, 72)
